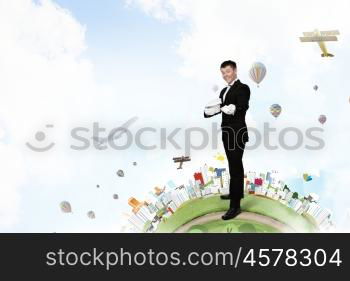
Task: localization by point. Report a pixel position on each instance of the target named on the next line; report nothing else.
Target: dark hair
(228, 63)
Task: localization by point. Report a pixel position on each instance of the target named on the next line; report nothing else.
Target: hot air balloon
(120, 173)
(215, 88)
(65, 207)
(134, 163)
(275, 110)
(307, 177)
(322, 119)
(315, 88)
(115, 196)
(257, 72)
(91, 215)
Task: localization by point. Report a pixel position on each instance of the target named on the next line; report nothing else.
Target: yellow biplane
(321, 37)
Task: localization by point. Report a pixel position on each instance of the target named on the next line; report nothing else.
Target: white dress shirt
(228, 87)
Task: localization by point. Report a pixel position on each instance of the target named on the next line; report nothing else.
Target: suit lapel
(230, 90)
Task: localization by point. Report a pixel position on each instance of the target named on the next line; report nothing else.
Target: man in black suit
(234, 104)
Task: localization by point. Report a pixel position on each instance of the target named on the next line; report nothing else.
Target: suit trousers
(234, 148)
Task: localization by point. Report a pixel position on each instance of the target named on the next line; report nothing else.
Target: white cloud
(12, 174)
(164, 10)
(44, 80)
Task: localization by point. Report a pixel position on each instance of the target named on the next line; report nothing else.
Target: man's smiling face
(228, 73)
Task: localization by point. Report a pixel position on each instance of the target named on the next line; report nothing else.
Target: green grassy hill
(257, 204)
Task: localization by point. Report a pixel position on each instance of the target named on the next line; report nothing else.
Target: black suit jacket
(239, 95)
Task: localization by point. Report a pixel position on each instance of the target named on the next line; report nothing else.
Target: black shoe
(225, 197)
(231, 213)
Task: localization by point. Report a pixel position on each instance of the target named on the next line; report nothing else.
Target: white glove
(211, 111)
(213, 107)
(229, 109)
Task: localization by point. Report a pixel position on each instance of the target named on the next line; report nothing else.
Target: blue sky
(120, 39)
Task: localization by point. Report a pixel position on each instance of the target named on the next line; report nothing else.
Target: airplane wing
(308, 34)
(318, 38)
(330, 33)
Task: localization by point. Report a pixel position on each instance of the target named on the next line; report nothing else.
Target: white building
(159, 204)
(251, 176)
(204, 171)
(137, 222)
(225, 179)
(296, 204)
(323, 215)
(172, 206)
(289, 196)
(215, 189)
(191, 192)
(217, 182)
(144, 214)
(224, 190)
